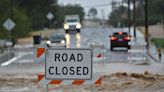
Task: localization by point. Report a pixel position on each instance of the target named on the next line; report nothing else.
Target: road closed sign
(68, 64)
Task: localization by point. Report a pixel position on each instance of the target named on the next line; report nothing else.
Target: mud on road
(117, 82)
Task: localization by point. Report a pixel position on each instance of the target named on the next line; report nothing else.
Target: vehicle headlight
(66, 26)
(63, 42)
(78, 26)
(49, 42)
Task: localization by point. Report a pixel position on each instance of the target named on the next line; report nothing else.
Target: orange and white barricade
(96, 78)
(98, 52)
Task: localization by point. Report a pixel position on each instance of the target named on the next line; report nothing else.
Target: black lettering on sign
(65, 71)
(72, 72)
(78, 71)
(57, 72)
(57, 57)
(79, 57)
(50, 72)
(72, 58)
(64, 57)
(85, 70)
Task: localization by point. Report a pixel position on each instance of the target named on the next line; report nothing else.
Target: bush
(159, 42)
(20, 18)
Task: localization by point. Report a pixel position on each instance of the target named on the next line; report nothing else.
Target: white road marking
(11, 60)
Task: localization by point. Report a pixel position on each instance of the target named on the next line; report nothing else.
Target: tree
(119, 15)
(155, 12)
(68, 10)
(23, 25)
(37, 11)
(93, 13)
(31, 15)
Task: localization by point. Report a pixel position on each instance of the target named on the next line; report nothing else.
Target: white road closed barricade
(68, 64)
(65, 66)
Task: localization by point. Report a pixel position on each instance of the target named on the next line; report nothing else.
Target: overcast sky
(100, 5)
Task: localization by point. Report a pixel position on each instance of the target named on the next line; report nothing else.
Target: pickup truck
(72, 23)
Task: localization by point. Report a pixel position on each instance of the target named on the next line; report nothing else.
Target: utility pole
(129, 23)
(146, 24)
(112, 4)
(134, 18)
(11, 16)
(11, 9)
(103, 18)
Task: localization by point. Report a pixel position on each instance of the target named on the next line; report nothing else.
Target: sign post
(50, 17)
(9, 25)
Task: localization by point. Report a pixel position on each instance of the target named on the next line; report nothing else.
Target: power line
(99, 5)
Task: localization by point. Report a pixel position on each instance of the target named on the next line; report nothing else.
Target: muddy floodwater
(23, 78)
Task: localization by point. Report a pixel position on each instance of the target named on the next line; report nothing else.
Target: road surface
(84, 39)
(20, 73)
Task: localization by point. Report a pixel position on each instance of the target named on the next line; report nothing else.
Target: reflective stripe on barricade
(95, 80)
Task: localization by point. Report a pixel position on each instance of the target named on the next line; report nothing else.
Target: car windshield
(57, 37)
(72, 20)
(117, 33)
(120, 35)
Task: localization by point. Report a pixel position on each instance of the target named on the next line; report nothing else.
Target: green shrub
(159, 42)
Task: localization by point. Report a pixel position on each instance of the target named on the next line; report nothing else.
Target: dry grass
(44, 34)
(155, 31)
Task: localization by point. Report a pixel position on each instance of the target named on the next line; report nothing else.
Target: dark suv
(120, 39)
(56, 40)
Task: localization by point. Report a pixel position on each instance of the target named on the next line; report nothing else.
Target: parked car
(120, 39)
(57, 40)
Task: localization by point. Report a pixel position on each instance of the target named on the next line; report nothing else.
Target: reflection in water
(67, 36)
(77, 41)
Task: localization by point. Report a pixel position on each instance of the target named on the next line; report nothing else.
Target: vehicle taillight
(113, 38)
(127, 38)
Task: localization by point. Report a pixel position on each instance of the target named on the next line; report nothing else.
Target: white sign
(50, 15)
(68, 64)
(9, 24)
(9, 43)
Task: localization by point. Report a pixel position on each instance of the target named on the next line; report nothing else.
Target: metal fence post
(47, 88)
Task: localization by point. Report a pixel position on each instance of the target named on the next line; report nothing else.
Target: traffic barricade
(60, 80)
(137, 53)
(98, 52)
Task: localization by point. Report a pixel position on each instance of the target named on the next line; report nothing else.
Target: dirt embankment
(155, 31)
